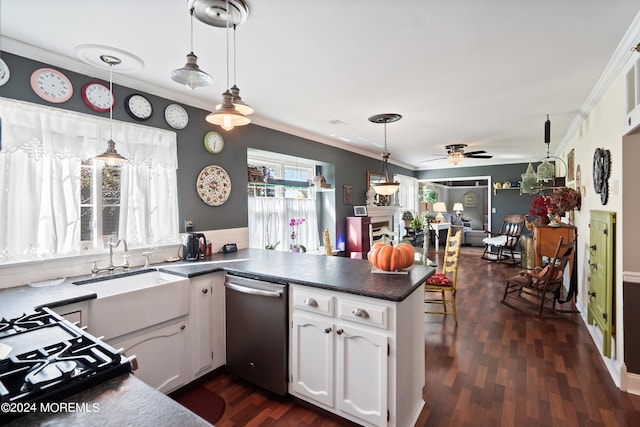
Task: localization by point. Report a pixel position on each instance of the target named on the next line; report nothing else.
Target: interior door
(601, 255)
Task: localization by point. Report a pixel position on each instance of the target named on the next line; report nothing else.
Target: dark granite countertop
(120, 401)
(126, 400)
(334, 273)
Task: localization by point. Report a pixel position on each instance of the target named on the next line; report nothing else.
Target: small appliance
(193, 246)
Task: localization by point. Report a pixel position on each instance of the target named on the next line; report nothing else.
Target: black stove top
(45, 358)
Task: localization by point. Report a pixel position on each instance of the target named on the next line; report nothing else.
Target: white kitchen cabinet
(160, 352)
(206, 318)
(357, 356)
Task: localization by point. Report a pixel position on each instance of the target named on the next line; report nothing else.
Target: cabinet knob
(310, 302)
(360, 312)
(327, 330)
(339, 331)
(205, 290)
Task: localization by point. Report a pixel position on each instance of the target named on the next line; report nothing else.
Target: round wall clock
(176, 116)
(138, 107)
(4, 72)
(213, 142)
(51, 85)
(97, 96)
(213, 185)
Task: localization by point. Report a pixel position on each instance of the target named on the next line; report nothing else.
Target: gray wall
(504, 202)
(350, 168)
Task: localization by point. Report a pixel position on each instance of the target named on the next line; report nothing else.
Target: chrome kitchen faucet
(111, 268)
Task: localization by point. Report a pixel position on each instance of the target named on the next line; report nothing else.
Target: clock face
(51, 85)
(4, 72)
(97, 96)
(213, 142)
(176, 116)
(138, 107)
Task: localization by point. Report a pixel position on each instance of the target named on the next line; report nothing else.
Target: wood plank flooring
(499, 367)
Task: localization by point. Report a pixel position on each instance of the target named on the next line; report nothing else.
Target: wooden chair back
(451, 255)
(551, 277)
(512, 227)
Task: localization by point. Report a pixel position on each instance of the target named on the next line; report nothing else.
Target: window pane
(110, 218)
(110, 185)
(86, 221)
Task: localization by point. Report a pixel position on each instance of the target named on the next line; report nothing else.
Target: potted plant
(416, 224)
(295, 223)
(407, 217)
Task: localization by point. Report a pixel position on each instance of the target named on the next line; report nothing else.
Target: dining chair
(444, 283)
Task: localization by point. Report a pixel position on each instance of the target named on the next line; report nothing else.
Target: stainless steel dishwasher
(256, 325)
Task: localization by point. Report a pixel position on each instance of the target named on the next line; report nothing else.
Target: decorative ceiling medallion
(92, 53)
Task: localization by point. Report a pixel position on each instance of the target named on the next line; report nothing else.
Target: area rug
(203, 402)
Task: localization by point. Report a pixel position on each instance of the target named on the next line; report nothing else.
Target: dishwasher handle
(252, 291)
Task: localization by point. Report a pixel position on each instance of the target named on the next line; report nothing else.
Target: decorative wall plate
(213, 185)
(4, 72)
(51, 85)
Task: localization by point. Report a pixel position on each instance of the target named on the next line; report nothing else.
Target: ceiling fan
(456, 154)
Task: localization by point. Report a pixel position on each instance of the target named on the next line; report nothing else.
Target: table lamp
(440, 208)
(457, 207)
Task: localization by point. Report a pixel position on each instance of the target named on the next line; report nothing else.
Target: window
(54, 202)
(408, 193)
(271, 206)
(105, 180)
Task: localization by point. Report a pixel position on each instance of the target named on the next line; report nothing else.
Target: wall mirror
(373, 178)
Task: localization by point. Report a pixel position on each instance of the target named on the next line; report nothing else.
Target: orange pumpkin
(389, 258)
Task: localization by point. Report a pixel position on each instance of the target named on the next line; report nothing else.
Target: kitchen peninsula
(393, 304)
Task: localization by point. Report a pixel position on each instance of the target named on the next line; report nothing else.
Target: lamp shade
(386, 188)
(227, 115)
(439, 207)
(458, 207)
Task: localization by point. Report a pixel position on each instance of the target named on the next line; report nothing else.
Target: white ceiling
(480, 72)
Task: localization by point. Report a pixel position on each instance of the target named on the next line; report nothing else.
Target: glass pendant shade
(386, 188)
(546, 171)
(227, 115)
(240, 105)
(191, 75)
(111, 156)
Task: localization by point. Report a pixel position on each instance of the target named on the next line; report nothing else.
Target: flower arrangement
(295, 223)
(540, 205)
(565, 199)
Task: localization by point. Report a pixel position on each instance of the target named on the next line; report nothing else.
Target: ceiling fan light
(191, 75)
(456, 157)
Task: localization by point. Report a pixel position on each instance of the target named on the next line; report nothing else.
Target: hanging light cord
(228, 44)
(234, 54)
(111, 101)
(191, 12)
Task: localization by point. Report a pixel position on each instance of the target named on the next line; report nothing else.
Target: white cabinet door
(312, 358)
(361, 373)
(160, 354)
(201, 291)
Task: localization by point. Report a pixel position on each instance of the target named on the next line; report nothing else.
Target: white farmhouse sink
(134, 301)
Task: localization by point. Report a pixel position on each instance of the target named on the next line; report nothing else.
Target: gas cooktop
(45, 358)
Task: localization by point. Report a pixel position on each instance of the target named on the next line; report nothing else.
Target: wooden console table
(545, 240)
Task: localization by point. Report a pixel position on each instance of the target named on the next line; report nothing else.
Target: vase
(543, 219)
(296, 249)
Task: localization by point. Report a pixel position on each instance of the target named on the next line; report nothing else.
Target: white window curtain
(261, 208)
(40, 156)
(408, 193)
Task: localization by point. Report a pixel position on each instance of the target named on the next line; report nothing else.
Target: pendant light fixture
(235, 91)
(227, 115)
(546, 171)
(111, 156)
(386, 187)
(191, 75)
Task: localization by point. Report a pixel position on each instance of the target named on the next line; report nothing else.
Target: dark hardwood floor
(499, 367)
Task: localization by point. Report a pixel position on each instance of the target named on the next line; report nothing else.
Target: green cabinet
(601, 274)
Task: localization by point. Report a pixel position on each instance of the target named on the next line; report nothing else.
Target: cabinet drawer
(313, 302)
(365, 313)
